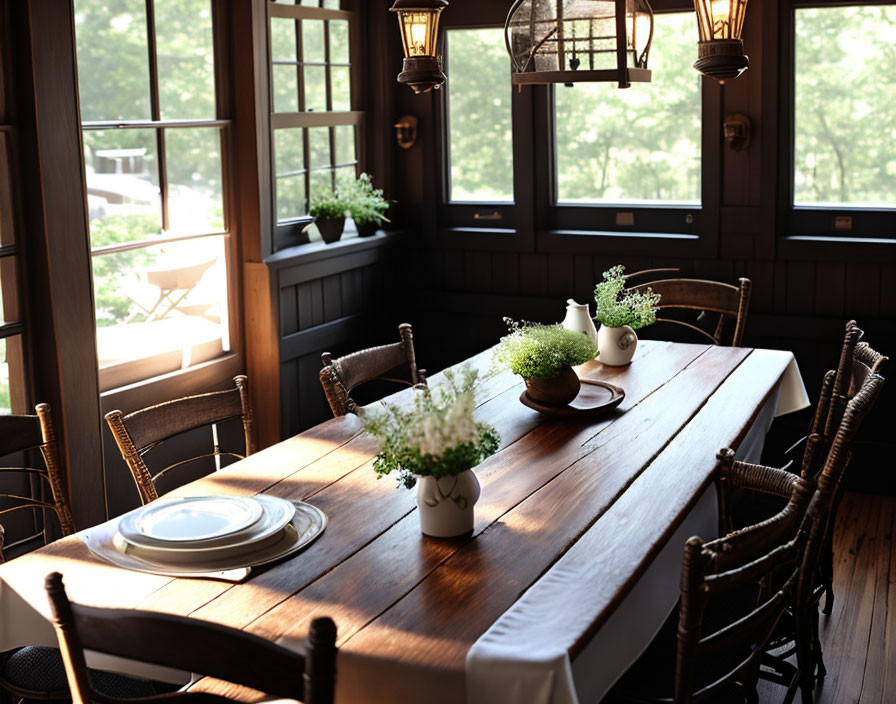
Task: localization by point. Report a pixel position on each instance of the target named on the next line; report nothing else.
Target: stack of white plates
(208, 533)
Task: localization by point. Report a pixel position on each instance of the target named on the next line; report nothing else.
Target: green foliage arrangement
(534, 350)
(617, 307)
(438, 437)
(367, 205)
(329, 204)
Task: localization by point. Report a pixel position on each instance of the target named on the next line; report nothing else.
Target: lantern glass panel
(576, 35)
(720, 19)
(419, 29)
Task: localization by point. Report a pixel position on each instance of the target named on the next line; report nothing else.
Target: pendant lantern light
(419, 24)
(721, 48)
(568, 41)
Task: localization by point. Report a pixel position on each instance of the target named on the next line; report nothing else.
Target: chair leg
(820, 670)
(805, 657)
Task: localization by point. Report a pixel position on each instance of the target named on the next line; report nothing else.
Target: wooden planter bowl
(557, 390)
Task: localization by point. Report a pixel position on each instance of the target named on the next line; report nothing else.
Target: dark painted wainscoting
(334, 298)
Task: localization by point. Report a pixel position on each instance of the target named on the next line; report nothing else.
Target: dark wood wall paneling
(803, 293)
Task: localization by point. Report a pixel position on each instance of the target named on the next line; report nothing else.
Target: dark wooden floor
(859, 637)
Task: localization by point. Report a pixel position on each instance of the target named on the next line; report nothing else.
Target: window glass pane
(286, 88)
(345, 144)
(319, 144)
(341, 87)
(479, 116)
(113, 63)
(641, 145)
(9, 291)
(313, 41)
(168, 301)
(290, 198)
(195, 202)
(283, 39)
(321, 180)
(331, 4)
(12, 392)
(315, 88)
(289, 170)
(123, 198)
(186, 59)
(339, 50)
(845, 106)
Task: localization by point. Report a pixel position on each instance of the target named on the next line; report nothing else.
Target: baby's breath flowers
(617, 307)
(534, 350)
(438, 437)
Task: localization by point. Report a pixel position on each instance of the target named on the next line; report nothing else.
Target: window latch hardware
(494, 215)
(843, 222)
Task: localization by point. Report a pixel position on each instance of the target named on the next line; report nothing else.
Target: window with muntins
(316, 131)
(154, 151)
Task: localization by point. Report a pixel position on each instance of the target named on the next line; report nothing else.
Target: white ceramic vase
(446, 504)
(616, 345)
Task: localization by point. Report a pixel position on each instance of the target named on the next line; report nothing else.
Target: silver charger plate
(276, 513)
(105, 542)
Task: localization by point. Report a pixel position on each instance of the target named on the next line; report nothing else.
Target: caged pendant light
(721, 48)
(569, 41)
(418, 21)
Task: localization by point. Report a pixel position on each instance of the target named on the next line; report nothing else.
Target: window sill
(623, 243)
(319, 251)
(845, 248)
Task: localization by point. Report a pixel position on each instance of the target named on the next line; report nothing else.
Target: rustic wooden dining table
(409, 608)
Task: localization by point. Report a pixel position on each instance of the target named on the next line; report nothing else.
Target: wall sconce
(406, 131)
(418, 21)
(721, 48)
(736, 129)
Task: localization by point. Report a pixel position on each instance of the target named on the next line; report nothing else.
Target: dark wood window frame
(534, 221)
(810, 229)
(290, 233)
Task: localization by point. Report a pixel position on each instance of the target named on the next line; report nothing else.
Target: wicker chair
(729, 302)
(185, 643)
(139, 432)
(396, 363)
(22, 433)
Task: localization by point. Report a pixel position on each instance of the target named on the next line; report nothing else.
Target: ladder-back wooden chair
(396, 363)
(139, 432)
(730, 303)
(734, 592)
(20, 434)
(190, 644)
(816, 515)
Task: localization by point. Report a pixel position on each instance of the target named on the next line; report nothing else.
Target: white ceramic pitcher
(578, 318)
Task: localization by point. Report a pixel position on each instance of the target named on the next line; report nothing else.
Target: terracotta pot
(557, 390)
(367, 229)
(330, 228)
(446, 504)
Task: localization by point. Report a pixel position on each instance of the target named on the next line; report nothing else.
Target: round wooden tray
(595, 398)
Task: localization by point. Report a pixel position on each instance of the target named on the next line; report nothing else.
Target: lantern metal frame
(421, 72)
(720, 53)
(623, 74)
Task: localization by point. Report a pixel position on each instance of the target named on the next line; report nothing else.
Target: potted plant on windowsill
(544, 356)
(620, 312)
(328, 208)
(435, 445)
(367, 205)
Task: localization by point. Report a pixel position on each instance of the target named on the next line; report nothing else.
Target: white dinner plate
(307, 524)
(276, 513)
(191, 520)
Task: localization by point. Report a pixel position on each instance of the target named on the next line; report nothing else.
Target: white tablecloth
(523, 657)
